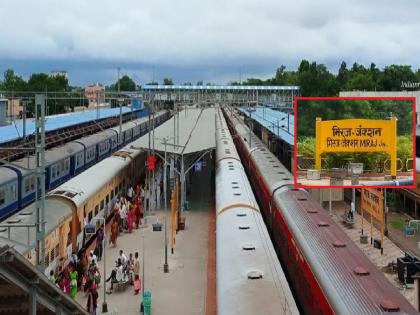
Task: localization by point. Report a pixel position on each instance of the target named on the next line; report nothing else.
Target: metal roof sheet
(196, 132)
(279, 123)
(15, 130)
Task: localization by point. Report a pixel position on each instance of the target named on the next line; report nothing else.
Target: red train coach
(329, 274)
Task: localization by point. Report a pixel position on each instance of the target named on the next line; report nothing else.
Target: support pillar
(32, 301)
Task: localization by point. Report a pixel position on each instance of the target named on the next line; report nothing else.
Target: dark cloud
(182, 38)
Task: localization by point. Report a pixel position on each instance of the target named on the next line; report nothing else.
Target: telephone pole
(40, 179)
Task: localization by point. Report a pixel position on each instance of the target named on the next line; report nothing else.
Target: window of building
(57, 251)
(112, 194)
(107, 199)
(96, 209)
(90, 216)
(102, 204)
(47, 262)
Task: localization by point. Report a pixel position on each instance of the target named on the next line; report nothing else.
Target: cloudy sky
(209, 40)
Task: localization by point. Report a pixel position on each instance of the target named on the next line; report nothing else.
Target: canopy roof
(196, 132)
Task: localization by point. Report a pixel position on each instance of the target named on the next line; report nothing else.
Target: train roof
(6, 175)
(97, 137)
(335, 266)
(51, 156)
(236, 191)
(81, 188)
(274, 173)
(15, 130)
(337, 262)
(56, 211)
(124, 127)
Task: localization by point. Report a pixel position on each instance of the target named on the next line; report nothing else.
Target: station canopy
(196, 132)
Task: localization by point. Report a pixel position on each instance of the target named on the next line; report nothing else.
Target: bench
(121, 285)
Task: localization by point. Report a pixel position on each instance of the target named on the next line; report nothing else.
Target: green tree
(126, 84)
(12, 82)
(168, 81)
(394, 75)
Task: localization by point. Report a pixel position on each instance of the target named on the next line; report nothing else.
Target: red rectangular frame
(349, 98)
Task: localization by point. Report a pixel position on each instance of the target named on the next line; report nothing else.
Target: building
(415, 94)
(57, 73)
(15, 108)
(95, 93)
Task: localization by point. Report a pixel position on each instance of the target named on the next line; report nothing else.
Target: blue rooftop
(279, 123)
(15, 130)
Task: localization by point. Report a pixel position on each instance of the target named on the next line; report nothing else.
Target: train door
(62, 245)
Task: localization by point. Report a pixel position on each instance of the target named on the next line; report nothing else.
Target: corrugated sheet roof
(15, 130)
(279, 123)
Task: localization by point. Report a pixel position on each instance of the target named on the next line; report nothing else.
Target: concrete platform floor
(303, 181)
(182, 290)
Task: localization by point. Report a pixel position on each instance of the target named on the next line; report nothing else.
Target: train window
(32, 181)
(96, 209)
(27, 184)
(13, 192)
(102, 204)
(67, 165)
(2, 197)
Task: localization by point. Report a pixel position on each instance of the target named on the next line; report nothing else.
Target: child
(137, 285)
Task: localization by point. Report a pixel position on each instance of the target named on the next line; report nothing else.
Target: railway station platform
(184, 290)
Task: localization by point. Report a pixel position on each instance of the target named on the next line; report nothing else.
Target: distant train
(327, 272)
(249, 277)
(17, 180)
(70, 206)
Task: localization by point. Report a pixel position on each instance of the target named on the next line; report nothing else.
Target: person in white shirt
(123, 258)
(92, 258)
(130, 193)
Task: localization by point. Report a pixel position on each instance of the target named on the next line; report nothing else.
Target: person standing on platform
(92, 300)
(130, 193)
(130, 219)
(73, 282)
(114, 233)
(99, 241)
(52, 277)
(138, 212)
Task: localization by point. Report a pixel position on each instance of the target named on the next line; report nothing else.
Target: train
(87, 198)
(17, 180)
(327, 272)
(249, 277)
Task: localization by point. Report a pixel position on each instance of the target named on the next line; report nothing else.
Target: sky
(215, 41)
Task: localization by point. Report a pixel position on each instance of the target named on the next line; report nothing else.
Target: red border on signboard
(349, 98)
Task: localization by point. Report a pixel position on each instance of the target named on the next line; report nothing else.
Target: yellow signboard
(357, 135)
(373, 203)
